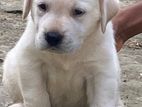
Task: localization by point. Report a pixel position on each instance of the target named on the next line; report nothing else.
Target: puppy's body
(87, 77)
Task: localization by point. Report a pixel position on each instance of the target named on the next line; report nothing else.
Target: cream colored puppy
(66, 56)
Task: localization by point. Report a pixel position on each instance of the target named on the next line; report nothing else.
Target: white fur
(87, 76)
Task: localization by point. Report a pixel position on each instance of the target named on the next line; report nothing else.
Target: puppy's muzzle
(53, 38)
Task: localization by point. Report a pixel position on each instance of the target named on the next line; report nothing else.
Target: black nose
(53, 38)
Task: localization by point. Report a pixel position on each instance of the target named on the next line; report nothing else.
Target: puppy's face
(63, 25)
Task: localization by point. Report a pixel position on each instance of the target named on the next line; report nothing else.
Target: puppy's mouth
(63, 47)
(56, 50)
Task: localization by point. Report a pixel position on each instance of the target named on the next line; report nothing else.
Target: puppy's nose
(53, 38)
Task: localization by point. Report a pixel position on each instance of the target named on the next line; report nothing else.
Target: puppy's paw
(17, 105)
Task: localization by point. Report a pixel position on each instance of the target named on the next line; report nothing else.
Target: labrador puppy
(66, 56)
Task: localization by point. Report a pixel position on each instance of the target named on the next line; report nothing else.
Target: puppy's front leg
(32, 84)
(102, 88)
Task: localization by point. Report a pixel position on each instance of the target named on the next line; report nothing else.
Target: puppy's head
(63, 25)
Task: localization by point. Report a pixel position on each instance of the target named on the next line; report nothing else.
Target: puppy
(66, 56)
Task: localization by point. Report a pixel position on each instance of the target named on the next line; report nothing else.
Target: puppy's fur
(83, 71)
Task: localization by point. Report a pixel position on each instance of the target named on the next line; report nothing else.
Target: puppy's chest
(66, 86)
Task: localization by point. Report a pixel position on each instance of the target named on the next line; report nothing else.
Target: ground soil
(11, 28)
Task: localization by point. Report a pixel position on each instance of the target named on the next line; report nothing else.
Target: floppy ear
(26, 8)
(108, 9)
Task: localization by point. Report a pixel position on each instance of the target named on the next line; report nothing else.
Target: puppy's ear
(26, 8)
(108, 9)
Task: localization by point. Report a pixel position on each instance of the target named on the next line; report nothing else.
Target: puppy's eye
(78, 12)
(42, 7)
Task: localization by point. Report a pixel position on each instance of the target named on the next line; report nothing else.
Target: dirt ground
(11, 28)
